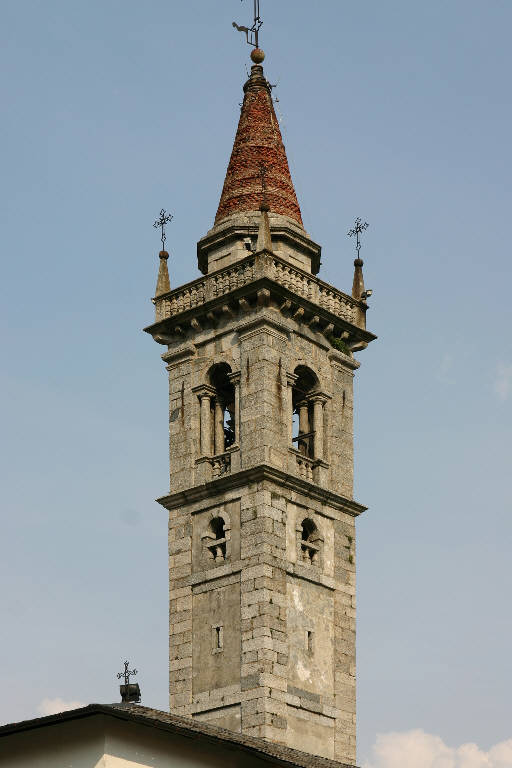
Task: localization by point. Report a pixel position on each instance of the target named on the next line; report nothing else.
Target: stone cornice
(176, 356)
(315, 577)
(256, 474)
(261, 323)
(166, 330)
(337, 358)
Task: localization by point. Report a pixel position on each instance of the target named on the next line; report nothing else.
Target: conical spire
(258, 143)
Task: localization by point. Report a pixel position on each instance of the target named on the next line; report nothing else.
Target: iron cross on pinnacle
(126, 674)
(358, 228)
(162, 220)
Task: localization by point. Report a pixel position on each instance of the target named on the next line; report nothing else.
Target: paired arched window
(217, 413)
(215, 540)
(310, 543)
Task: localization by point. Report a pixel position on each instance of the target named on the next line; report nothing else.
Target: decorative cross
(162, 220)
(126, 674)
(357, 230)
(252, 34)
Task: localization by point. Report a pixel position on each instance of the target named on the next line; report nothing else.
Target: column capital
(291, 378)
(204, 390)
(235, 377)
(319, 397)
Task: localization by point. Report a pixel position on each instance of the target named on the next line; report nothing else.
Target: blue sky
(397, 112)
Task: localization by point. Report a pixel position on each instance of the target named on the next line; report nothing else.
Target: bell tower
(259, 352)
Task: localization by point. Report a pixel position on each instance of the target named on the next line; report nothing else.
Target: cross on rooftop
(358, 228)
(126, 674)
(162, 220)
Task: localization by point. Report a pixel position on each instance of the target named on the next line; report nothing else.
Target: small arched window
(310, 542)
(215, 540)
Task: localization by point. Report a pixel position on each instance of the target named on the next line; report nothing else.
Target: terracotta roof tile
(258, 142)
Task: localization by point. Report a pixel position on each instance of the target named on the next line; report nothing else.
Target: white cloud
(503, 381)
(53, 706)
(417, 749)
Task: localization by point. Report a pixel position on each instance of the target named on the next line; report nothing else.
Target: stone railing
(237, 275)
(304, 466)
(221, 464)
(311, 288)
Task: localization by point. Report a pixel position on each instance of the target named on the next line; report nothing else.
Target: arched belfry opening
(304, 386)
(223, 404)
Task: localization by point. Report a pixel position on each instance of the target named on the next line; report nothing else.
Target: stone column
(303, 426)
(235, 448)
(291, 378)
(219, 427)
(235, 380)
(205, 394)
(318, 427)
(206, 430)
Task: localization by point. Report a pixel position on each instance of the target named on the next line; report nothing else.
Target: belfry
(259, 352)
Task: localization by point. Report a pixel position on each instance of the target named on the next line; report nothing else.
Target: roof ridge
(139, 713)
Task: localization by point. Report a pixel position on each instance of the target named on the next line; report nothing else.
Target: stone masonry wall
(263, 640)
(265, 680)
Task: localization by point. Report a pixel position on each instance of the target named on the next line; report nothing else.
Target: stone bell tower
(259, 352)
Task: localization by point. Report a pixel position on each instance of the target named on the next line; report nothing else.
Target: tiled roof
(258, 143)
(276, 754)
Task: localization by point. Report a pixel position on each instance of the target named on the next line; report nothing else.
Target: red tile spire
(258, 142)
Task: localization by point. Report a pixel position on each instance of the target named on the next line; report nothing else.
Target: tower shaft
(261, 514)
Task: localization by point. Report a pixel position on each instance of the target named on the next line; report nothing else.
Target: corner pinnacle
(163, 284)
(358, 283)
(264, 242)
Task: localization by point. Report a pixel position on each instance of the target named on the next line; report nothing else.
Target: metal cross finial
(126, 674)
(358, 228)
(252, 33)
(162, 220)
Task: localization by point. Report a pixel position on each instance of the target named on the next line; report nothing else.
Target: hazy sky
(398, 112)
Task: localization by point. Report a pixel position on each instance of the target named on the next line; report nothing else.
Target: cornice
(163, 328)
(260, 473)
(173, 357)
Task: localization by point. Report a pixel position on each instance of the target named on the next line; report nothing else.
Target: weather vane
(357, 230)
(252, 33)
(162, 220)
(126, 674)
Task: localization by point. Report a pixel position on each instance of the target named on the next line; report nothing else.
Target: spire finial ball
(257, 55)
